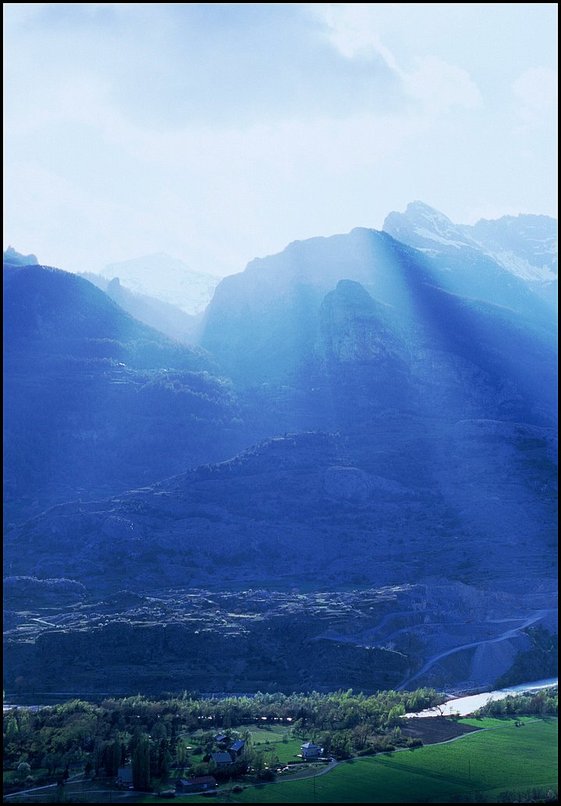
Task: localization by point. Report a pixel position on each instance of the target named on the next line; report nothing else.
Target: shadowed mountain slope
(95, 401)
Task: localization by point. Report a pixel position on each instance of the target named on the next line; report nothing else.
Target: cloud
(354, 31)
(221, 131)
(226, 63)
(535, 93)
(440, 86)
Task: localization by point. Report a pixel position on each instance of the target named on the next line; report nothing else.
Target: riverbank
(463, 706)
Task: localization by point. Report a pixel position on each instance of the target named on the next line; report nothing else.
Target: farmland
(376, 754)
(482, 765)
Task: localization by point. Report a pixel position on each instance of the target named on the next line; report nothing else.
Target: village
(139, 750)
(236, 759)
(231, 760)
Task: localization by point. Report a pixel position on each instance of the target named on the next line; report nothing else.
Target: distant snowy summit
(524, 245)
(166, 278)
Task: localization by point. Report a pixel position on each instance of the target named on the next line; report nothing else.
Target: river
(467, 705)
(461, 705)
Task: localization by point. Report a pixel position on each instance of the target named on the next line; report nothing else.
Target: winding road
(512, 633)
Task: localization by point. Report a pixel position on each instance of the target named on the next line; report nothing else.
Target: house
(220, 738)
(124, 776)
(221, 758)
(238, 747)
(311, 750)
(200, 784)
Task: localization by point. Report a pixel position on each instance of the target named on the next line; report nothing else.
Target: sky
(218, 132)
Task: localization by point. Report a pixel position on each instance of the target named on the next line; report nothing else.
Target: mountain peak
(14, 258)
(524, 246)
(423, 226)
(420, 208)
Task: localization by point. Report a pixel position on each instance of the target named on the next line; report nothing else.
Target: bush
(266, 775)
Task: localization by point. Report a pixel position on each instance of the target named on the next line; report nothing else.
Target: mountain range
(368, 410)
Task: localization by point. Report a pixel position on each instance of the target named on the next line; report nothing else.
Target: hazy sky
(218, 132)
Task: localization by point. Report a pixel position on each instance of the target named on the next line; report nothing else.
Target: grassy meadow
(487, 763)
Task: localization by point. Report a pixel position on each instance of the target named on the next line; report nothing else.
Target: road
(512, 633)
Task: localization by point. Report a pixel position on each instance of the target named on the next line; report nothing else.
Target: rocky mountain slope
(490, 256)
(390, 421)
(162, 316)
(296, 510)
(95, 401)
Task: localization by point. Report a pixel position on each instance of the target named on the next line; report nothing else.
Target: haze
(217, 132)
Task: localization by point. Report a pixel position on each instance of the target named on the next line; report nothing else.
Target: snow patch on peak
(421, 223)
(523, 268)
(419, 208)
(423, 232)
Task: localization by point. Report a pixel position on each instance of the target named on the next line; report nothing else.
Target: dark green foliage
(107, 735)
(112, 757)
(543, 703)
(141, 763)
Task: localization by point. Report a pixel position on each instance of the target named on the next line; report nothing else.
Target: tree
(181, 753)
(51, 761)
(257, 761)
(23, 770)
(360, 735)
(395, 713)
(11, 727)
(112, 758)
(164, 760)
(141, 763)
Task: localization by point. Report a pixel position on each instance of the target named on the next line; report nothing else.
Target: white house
(311, 750)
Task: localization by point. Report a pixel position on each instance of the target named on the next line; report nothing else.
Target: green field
(497, 722)
(489, 762)
(270, 740)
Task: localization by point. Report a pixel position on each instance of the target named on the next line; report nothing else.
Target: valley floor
(483, 765)
(499, 762)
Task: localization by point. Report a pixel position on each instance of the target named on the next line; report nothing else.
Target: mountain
(389, 429)
(526, 245)
(297, 508)
(268, 328)
(295, 514)
(13, 258)
(168, 319)
(96, 401)
(167, 279)
(490, 257)
(439, 373)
